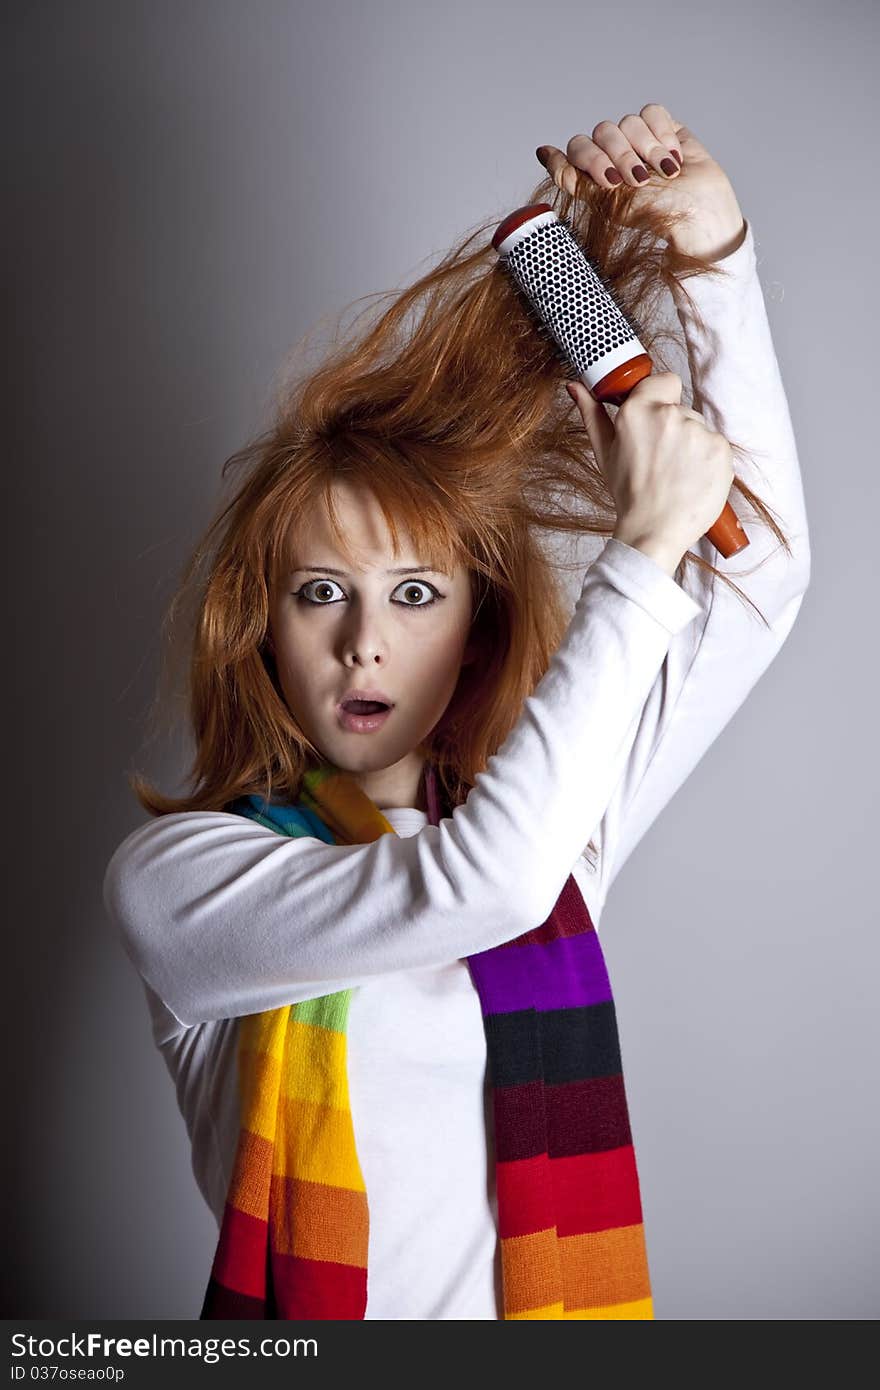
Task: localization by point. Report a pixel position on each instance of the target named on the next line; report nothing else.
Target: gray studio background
(193, 186)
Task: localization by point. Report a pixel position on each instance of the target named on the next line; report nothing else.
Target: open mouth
(363, 716)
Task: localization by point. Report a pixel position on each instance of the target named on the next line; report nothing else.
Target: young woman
(368, 942)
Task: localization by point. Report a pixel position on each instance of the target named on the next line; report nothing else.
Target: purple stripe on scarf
(564, 974)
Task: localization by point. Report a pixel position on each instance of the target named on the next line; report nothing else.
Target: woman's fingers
(597, 421)
(647, 143)
(622, 153)
(563, 174)
(652, 134)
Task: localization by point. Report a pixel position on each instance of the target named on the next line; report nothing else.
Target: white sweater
(223, 917)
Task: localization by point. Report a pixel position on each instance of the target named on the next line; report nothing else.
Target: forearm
(738, 388)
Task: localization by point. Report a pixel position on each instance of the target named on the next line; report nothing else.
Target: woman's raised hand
(628, 151)
(657, 154)
(668, 472)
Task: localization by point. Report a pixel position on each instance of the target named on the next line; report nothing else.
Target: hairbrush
(578, 308)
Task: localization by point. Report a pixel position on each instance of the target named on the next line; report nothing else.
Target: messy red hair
(448, 408)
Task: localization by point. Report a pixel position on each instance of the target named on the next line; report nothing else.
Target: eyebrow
(407, 569)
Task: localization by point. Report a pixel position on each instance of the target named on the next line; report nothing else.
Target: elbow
(113, 891)
(120, 896)
(787, 602)
(126, 908)
(804, 562)
(801, 561)
(783, 619)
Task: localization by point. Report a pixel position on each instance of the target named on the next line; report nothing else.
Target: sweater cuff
(635, 575)
(738, 269)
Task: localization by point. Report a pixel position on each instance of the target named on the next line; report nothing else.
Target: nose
(363, 642)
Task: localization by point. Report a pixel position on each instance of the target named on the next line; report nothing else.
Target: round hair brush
(578, 308)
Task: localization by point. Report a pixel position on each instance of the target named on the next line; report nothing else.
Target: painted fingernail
(612, 176)
(669, 167)
(677, 156)
(640, 172)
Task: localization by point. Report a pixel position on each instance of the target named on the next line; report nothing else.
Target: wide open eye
(409, 584)
(322, 584)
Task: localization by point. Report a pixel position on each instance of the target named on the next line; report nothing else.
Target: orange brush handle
(726, 534)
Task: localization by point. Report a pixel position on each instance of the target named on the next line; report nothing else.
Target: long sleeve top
(223, 917)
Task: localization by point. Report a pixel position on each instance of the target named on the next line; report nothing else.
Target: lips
(363, 711)
(367, 701)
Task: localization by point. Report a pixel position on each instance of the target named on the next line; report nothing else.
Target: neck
(402, 784)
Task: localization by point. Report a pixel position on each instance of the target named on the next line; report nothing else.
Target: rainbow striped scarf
(294, 1236)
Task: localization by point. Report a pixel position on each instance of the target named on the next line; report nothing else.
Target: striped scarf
(294, 1235)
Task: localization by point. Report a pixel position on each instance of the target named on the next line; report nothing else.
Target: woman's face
(335, 628)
